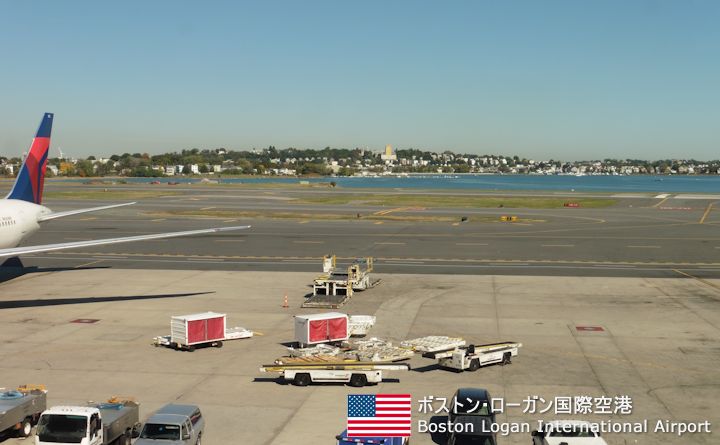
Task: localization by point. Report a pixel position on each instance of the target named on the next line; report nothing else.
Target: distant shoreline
(378, 176)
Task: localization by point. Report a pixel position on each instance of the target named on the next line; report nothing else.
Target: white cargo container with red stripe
(195, 329)
(321, 328)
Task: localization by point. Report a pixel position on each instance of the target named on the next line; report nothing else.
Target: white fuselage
(18, 220)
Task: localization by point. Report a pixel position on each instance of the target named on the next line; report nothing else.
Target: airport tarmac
(639, 236)
(654, 340)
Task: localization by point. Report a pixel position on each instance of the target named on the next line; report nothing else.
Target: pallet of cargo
(360, 325)
(377, 350)
(433, 343)
(321, 349)
(382, 354)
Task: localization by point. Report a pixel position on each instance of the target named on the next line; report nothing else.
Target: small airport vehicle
(173, 424)
(336, 281)
(343, 439)
(569, 432)
(355, 374)
(116, 422)
(20, 409)
(472, 357)
(472, 406)
(328, 327)
(205, 328)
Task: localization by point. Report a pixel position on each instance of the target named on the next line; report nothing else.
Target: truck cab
(100, 424)
(69, 424)
(173, 424)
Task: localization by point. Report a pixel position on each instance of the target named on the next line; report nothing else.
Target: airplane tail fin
(31, 178)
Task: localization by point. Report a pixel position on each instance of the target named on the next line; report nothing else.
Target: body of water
(607, 184)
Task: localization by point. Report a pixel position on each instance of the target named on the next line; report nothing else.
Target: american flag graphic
(385, 415)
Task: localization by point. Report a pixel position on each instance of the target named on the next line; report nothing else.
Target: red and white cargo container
(188, 331)
(321, 328)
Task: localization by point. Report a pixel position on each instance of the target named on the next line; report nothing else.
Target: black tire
(358, 380)
(191, 348)
(507, 358)
(474, 365)
(218, 344)
(302, 379)
(25, 428)
(174, 346)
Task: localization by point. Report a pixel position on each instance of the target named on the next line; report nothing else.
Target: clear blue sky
(542, 79)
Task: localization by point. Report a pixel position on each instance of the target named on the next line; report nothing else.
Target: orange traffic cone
(285, 302)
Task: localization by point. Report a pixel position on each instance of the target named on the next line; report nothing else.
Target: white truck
(355, 374)
(472, 357)
(115, 422)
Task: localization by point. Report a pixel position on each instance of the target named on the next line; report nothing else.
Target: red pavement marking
(590, 328)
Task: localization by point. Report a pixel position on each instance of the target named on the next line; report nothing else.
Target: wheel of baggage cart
(302, 379)
(25, 428)
(191, 348)
(474, 365)
(218, 344)
(358, 380)
(507, 358)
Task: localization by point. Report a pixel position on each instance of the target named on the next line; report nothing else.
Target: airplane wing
(55, 215)
(14, 251)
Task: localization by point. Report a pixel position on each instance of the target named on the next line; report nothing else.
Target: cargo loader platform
(335, 286)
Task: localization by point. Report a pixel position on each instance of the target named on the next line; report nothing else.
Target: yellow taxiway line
(661, 202)
(703, 281)
(707, 212)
